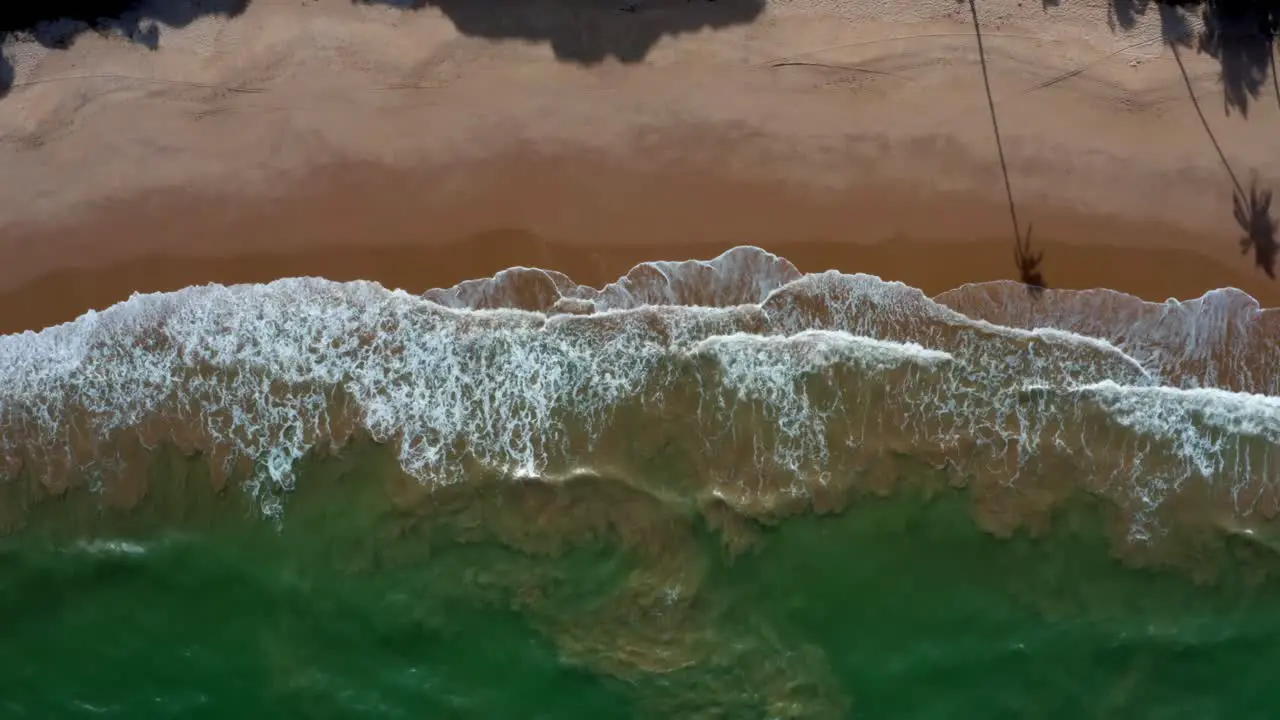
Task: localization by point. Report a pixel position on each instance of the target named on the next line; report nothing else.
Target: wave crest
(772, 385)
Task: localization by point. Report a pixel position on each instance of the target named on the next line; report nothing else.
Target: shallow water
(720, 490)
(495, 605)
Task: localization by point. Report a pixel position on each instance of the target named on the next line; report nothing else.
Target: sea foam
(807, 376)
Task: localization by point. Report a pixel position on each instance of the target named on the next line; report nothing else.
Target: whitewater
(773, 384)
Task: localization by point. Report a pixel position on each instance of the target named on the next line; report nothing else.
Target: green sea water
(595, 599)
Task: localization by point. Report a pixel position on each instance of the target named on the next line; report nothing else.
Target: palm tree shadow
(1253, 215)
(1028, 262)
(1252, 210)
(1240, 35)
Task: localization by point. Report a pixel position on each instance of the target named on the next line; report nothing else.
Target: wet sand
(388, 225)
(870, 150)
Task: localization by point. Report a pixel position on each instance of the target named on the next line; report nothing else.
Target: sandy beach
(422, 147)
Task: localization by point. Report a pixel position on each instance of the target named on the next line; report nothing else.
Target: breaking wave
(768, 386)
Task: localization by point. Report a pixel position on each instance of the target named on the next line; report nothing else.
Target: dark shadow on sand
(587, 31)
(1252, 209)
(1027, 259)
(1275, 79)
(56, 24)
(1253, 215)
(1238, 34)
(582, 31)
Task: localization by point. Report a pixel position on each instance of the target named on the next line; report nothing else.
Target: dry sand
(422, 147)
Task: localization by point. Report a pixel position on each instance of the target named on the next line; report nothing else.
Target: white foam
(111, 547)
(1221, 339)
(743, 275)
(256, 369)
(771, 371)
(1210, 429)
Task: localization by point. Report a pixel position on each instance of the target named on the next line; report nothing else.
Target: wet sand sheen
(417, 229)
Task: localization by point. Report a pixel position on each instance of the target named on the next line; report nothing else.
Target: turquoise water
(237, 618)
(357, 608)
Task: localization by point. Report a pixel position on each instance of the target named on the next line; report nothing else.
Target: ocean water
(712, 489)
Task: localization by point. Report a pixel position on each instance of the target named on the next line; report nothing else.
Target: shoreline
(365, 222)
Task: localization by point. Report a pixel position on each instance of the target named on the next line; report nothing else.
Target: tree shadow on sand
(1027, 259)
(1238, 34)
(1028, 262)
(1253, 215)
(1252, 209)
(582, 31)
(56, 24)
(587, 31)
